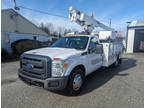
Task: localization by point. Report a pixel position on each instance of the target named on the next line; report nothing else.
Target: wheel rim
(77, 82)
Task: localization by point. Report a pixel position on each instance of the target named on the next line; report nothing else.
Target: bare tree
(67, 31)
(50, 26)
(55, 34)
(44, 28)
(120, 34)
(60, 30)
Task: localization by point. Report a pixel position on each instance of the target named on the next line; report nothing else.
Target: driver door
(94, 58)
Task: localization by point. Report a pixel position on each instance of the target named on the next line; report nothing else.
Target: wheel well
(80, 67)
(77, 67)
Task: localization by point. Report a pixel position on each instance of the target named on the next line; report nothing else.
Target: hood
(52, 52)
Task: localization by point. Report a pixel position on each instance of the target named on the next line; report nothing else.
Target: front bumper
(49, 83)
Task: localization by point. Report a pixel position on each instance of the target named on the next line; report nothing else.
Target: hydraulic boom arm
(85, 21)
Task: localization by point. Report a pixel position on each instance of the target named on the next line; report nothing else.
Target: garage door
(139, 36)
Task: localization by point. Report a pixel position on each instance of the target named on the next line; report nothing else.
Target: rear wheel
(117, 62)
(75, 82)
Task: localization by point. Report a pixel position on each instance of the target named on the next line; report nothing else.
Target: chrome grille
(41, 66)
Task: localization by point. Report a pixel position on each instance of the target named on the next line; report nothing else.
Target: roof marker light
(56, 59)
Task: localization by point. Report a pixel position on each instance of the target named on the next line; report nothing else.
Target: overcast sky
(120, 11)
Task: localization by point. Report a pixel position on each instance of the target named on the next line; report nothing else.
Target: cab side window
(92, 45)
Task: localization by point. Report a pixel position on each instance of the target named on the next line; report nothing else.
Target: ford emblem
(29, 66)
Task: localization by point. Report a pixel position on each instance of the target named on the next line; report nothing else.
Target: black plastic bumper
(50, 83)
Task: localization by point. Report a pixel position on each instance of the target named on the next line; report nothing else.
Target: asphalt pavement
(121, 87)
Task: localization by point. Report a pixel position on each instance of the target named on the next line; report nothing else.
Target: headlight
(58, 68)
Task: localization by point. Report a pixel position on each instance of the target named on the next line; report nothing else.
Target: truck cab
(63, 65)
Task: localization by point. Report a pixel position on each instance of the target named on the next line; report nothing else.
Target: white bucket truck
(71, 58)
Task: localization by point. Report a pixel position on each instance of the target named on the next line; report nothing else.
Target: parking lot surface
(121, 87)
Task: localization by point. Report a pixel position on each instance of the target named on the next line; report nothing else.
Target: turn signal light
(65, 65)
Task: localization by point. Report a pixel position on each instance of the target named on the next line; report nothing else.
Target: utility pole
(15, 6)
(16, 16)
(110, 22)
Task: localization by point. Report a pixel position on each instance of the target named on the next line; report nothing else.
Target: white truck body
(71, 58)
(103, 35)
(111, 51)
(45, 66)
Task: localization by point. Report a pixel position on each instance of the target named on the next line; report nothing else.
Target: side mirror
(99, 48)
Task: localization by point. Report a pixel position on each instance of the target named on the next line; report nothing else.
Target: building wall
(130, 40)
(17, 36)
(11, 21)
(17, 27)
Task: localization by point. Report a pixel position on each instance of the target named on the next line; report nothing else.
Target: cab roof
(79, 35)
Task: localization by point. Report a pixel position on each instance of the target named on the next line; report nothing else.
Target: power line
(42, 12)
(35, 10)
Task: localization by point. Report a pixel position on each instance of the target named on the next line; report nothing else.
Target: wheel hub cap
(77, 82)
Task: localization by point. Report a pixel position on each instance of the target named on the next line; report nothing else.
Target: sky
(119, 11)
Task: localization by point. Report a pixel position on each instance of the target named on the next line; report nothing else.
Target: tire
(74, 88)
(119, 61)
(116, 63)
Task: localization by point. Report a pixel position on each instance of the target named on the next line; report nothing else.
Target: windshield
(76, 42)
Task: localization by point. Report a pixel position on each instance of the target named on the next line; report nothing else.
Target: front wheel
(75, 82)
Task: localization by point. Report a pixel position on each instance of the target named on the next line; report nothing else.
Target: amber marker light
(65, 65)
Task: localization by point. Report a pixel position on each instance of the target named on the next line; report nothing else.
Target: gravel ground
(121, 87)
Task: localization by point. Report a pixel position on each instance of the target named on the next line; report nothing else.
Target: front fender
(73, 64)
